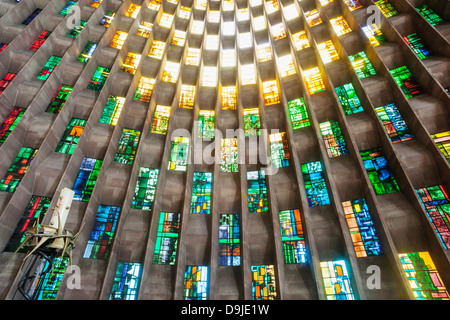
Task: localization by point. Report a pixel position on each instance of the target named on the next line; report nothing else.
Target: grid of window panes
(340, 25)
(298, 113)
(36, 208)
(118, 40)
(126, 151)
(145, 189)
(161, 119)
(252, 122)
(196, 283)
(71, 136)
(86, 179)
(436, 203)
(263, 282)
(348, 99)
(327, 51)
(258, 201)
(386, 8)
(131, 62)
(442, 140)
(333, 139)
(179, 154)
(145, 89)
(362, 65)
(87, 52)
(126, 281)
(48, 68)
(98, 79)
(313, 80)
(393, 122)
(429, 14)
(206, 124)
(201, 193)
(407, 83)
(102, 233)
(292, 237)
(68, 7)
(229, 155)
(422, 276)
(378, 171)
(32, 16)
(362, 231)
(6, 81)
(300, 40)
(336, 280)
(416, 44)
(279, 149)
(353, 4)
(374, 34)
(75, 31)
(39, 40)
(187, 96)
(48, 285)
(59, 99)
(229, 98)
(10, 123)
(167, 238)
(17, 170)
(112, 110)
(229, 240)
(315, 184)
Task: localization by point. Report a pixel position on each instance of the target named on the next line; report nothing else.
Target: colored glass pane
(315, 184)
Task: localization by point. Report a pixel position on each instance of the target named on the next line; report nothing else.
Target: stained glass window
(374, 34)
(314, 81)
(333, 138)
(201, 193)
(270, 92)
(353, 4)
(362, 231)
(378, 170)
(49, 67)
(315, 185)
(415, 42)
(336, 280)
(126, 281)
(154, 5)
(112, 110)
(271, 6)
(298, 113)
(196, 283)
(167, 238)
(40, 40)
(68, 7)
(206, 124)
(264, 52)
(144, 29)
(229, 240)
(327, 51)
(36, 207)
(102, 234)
(436, 203)
(187, 96)
(145, 190)
(132, 11)
(348, 99)
(157, 49)
(258, 201)
(292, 238)
(386, 8)
(59, 99)
(98, 79)
(252, 122)
(31, 17)
(49, 284)
(247, 74)
(429, 14)
(209, 76)
(107, 19)
(10, 123)
(197, 27)
(229, 155)
(259, 23)
(278, 31)
(87, 52)
(145, 89)
(17, 169)
(131, 62)
(86, 179)
(179, 154)
(228, 57)
(170, 73)
(118, 40)
(193, 57)
(229, 98)
(75, 31)
(185, 12)
(166, 20)
(393, 123)
(340, 25)
(362, 65)
(442, 141)
(128, 143)
(161, 119)
(407, 83)
(300, 40)
(263, 282)
(279, 149)
(6, 81)
(71, 136)
(286, 66)
(422, 276)
(3, 46)
(313, 18)
(179, 37)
